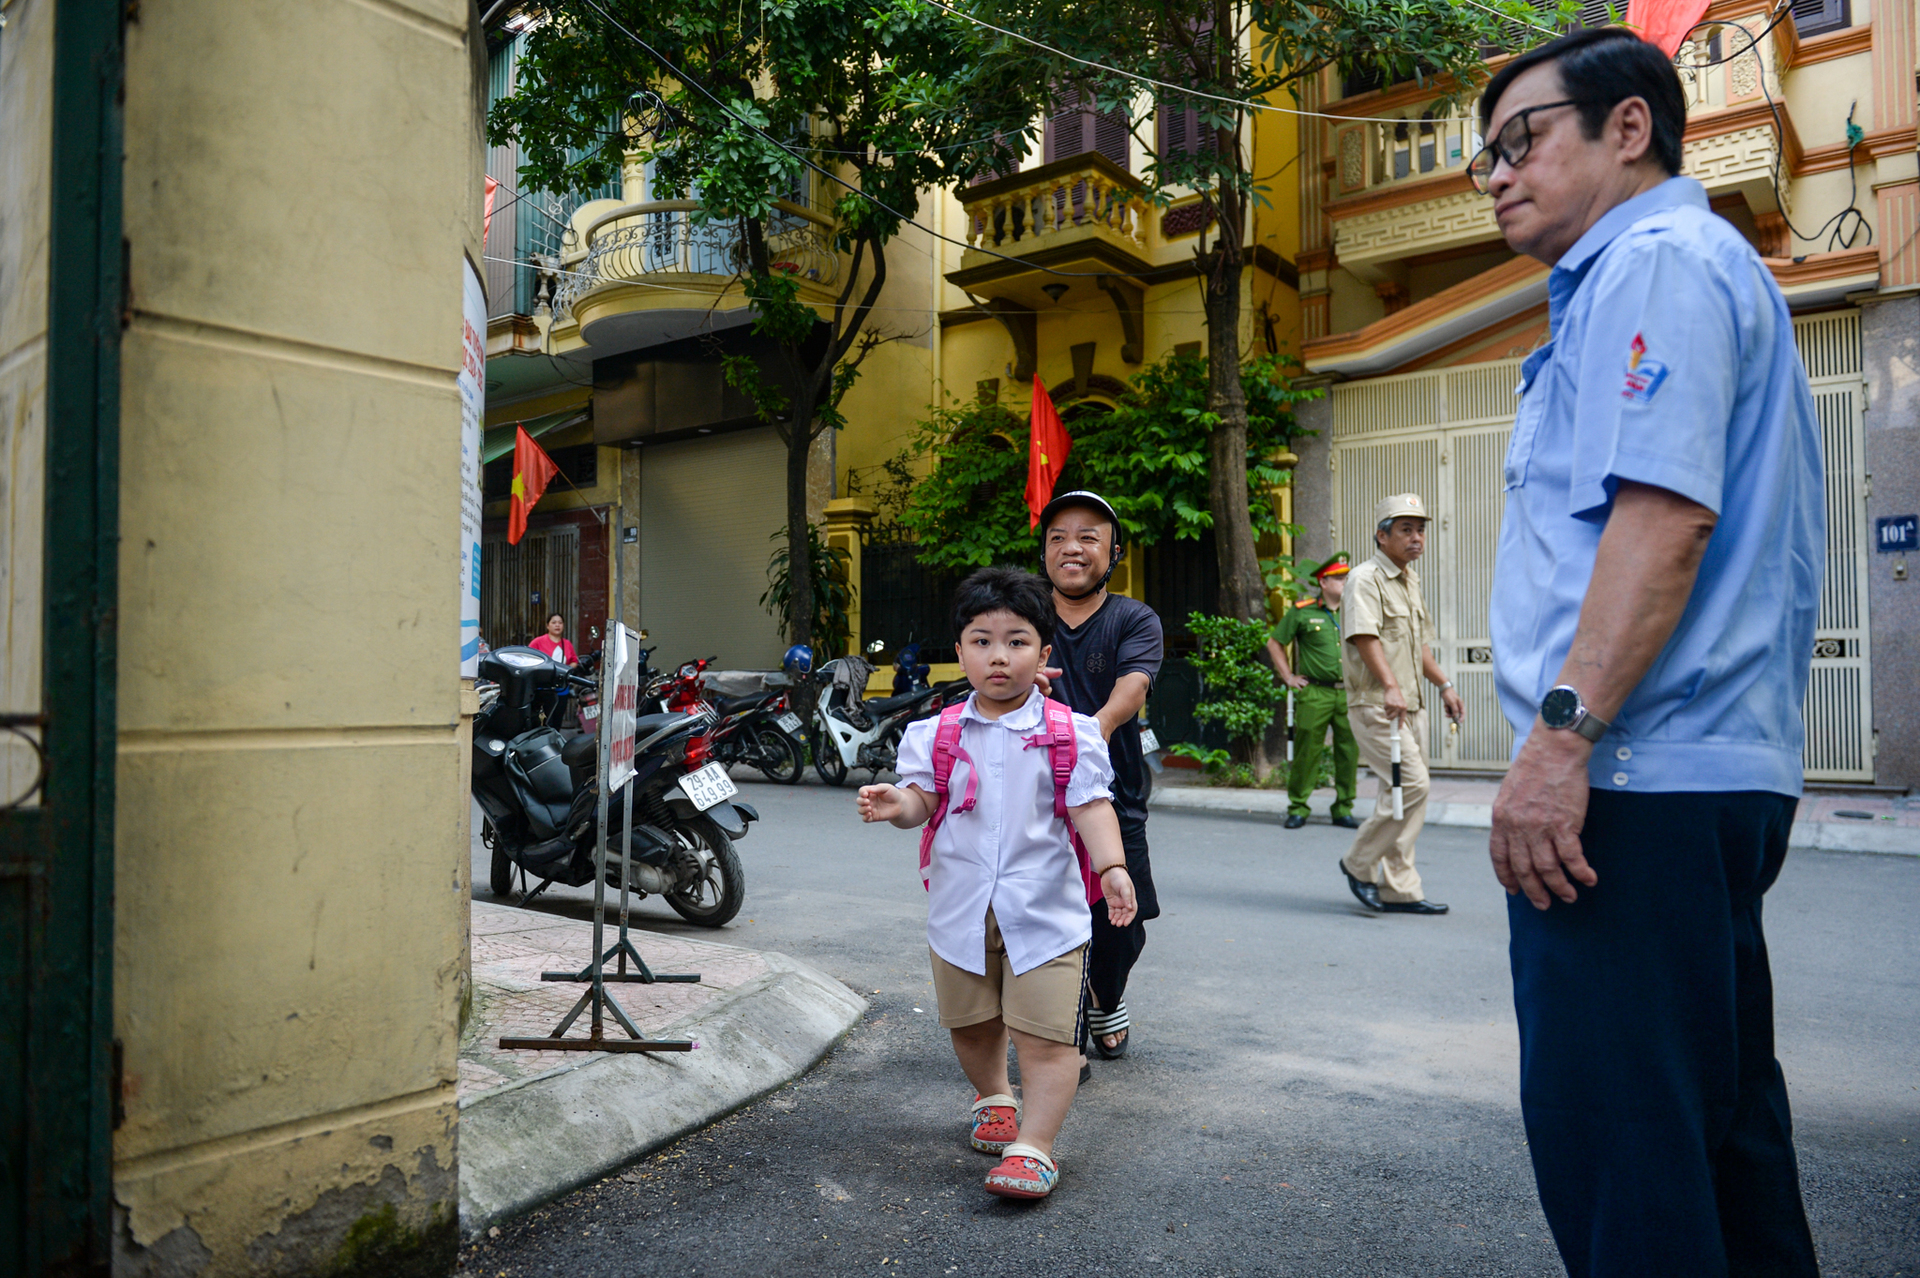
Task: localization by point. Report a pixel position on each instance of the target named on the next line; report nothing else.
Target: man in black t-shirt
(1106, 652)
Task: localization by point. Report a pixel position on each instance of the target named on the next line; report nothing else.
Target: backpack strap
(946, 751)
(1063, 747)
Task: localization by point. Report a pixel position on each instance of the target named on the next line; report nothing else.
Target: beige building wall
(302, 188)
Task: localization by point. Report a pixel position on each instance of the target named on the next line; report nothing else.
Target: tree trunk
(799, 545)
(1243, 591)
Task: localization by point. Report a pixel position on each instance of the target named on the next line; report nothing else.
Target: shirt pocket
(1396, 618)
(1533, 392)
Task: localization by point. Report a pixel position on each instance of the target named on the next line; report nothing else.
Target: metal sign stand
(596, 997)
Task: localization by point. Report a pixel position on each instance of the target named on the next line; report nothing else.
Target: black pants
(1111, 956)
(1656, 1113)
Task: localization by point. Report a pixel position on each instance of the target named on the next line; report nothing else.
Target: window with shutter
(1072, 130)
(1812, 17)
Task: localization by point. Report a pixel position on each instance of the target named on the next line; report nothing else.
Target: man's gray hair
(1386, 525)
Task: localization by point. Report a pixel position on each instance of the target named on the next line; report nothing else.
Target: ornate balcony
(1397, 185)
(660, 238)
(1083, 213)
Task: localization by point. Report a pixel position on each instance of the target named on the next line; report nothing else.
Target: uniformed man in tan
(1387, 635)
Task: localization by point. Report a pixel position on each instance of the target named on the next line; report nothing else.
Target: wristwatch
(1562, 709)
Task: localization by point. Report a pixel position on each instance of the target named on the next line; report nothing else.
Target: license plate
(789, 723)
(708, 786)
(589, 712)
(1148, 742)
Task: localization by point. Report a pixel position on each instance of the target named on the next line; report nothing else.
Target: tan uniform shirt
(1384, 601)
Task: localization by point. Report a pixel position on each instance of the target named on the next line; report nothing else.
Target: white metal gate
(1443, 434)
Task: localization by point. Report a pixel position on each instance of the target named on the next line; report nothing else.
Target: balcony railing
(660, 237)
(1044, 205)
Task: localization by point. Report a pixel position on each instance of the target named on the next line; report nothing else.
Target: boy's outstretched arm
(1100, 831)
(904, 806)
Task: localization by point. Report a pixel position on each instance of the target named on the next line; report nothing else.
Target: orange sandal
(996, 1122)
(1024, 1173)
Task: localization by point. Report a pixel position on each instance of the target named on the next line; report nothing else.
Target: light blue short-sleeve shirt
(1672, 364)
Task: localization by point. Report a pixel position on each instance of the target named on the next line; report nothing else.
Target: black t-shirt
(1121, 637)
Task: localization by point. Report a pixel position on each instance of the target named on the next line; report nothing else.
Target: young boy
(1007, 918)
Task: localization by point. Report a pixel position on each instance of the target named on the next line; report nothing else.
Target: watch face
(1559, 708)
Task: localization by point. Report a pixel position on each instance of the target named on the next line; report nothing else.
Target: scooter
(539, 793)
(851, 732)
(761, 731)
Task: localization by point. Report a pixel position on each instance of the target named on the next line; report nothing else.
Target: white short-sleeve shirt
(1009, 853)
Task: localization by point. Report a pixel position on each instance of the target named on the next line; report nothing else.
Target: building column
(1890, 348)
(848, 519)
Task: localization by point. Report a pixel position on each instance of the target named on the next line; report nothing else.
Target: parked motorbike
(851, 732)
(909, 672)
(539, 794)
(760, 730)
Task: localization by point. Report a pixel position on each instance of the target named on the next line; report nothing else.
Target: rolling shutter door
(707, 507)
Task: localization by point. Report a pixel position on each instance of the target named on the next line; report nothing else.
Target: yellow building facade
(1416, 317)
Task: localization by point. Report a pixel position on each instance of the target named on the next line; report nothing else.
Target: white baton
(1399, 810)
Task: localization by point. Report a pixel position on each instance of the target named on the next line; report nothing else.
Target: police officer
(1388, 633)
(1319, 699)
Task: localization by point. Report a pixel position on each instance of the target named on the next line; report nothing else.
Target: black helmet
(1094, 501)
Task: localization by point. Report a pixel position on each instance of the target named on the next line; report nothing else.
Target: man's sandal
(1100, 1024)
(1024, 1173)
(996, 1122)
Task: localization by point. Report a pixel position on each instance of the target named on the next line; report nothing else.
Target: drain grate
(1852, 815)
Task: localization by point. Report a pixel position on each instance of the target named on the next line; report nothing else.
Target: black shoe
(1295, 821)
(1366, 893)
(1086, 1070)
(1346, 822)
(1413, 907)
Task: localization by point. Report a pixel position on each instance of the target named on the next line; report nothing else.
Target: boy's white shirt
(1009, 852)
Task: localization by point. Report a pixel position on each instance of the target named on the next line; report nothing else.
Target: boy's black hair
(1600, 68)
(1023, 594)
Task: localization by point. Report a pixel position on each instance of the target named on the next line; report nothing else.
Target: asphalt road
(1314, 1090)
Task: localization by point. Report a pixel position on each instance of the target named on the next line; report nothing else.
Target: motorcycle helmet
(798, 661)
(1094, 502)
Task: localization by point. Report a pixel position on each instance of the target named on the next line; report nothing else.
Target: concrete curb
(1271, 805)
(528, 1143)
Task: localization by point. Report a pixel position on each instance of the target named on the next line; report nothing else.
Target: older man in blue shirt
(1658, 579)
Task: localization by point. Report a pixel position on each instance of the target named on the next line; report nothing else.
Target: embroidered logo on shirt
(1096, 662)
(1644, 375)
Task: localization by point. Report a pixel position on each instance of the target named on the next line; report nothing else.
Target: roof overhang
(1487, 299)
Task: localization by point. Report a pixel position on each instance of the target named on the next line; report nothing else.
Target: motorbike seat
(648, 724)
(734, 705)
(579, 750)
(887, 705)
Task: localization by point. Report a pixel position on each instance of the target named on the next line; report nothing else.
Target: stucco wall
(302, 185)
(1890, 339)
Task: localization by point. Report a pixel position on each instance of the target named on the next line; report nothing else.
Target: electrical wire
(1837, 229)
(1185, 91)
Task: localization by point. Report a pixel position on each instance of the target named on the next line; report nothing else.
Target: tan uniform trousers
(1382, 853)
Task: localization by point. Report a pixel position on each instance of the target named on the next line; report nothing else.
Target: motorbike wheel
(716, 889)
(826, 758)
(500, 871)
(777, 755)
(1146, 784)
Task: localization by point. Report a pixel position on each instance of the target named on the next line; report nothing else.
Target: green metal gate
(56, 845)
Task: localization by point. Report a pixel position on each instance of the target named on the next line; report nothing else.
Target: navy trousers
(1656, 1113)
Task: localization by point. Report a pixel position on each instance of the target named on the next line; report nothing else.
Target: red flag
(532, 470)
(1665, 23)
(486, 223)
(1046, 452)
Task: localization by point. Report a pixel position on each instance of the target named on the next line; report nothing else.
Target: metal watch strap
(1592, 726)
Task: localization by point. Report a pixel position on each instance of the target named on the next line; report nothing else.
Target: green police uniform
(1315, 630)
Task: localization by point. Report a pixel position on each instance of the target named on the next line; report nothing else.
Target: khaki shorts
(1044, 1002)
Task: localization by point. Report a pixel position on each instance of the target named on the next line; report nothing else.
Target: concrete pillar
(303, 186)
(1313, 475)
(1890, 345)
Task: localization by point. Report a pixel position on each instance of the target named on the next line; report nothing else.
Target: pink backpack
(1056, 735)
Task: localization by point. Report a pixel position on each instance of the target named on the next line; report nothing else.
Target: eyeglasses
(1512, 143)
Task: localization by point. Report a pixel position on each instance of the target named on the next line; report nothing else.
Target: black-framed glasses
(1511, 144)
